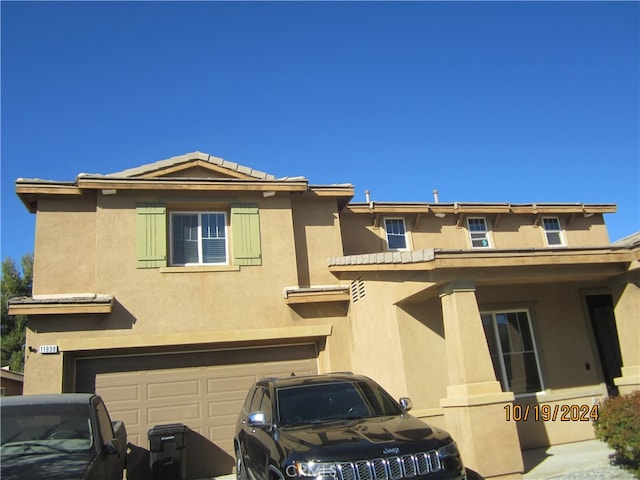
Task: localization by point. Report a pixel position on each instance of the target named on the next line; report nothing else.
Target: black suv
(337, 426)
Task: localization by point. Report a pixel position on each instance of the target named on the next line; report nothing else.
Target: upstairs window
(553, 231)
(396, 233)
(479, 232)
(512, 350)
(199, 238)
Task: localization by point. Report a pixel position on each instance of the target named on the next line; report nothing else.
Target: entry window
(553, 231)
(396, 233)
(512, 349)
(199, 238)
(479, 232)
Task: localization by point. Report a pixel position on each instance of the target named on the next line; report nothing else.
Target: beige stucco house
(169, 288)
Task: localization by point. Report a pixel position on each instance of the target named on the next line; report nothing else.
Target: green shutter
(245, 227)
(151, 235)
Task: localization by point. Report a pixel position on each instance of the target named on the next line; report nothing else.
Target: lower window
(512, 350)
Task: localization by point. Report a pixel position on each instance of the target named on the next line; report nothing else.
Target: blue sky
(521, 102)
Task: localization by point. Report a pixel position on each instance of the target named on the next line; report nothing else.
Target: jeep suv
(337, 426)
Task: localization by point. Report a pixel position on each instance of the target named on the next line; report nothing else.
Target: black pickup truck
(60, 437)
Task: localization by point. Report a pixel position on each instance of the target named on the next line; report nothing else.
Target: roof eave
(476, 208)
(59, 305)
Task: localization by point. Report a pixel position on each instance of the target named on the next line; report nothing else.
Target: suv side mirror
(258, 420)
(406, 404)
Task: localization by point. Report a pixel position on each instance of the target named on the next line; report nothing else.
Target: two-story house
(169, 288)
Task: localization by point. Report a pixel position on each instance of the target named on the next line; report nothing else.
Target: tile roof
(188, 158)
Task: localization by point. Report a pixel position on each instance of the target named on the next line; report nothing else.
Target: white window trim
(487, 233)
(560, 232)
(503, 376)
(406, 234)
(199, 214)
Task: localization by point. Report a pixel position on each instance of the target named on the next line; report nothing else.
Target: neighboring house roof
(629, 241)
(7, 374)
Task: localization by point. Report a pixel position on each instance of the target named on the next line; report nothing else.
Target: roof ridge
(190, 157)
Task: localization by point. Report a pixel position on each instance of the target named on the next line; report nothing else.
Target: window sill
(202, 269)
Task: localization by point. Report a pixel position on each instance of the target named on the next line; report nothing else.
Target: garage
(204, 390)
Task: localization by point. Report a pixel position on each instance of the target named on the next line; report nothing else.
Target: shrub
(618, 425)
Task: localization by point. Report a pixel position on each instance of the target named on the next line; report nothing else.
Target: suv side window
(247, 402)
(261, 402)
(257, 399)
(265, 405)
(381, 403)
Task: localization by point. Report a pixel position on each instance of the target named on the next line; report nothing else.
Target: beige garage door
(203, 390)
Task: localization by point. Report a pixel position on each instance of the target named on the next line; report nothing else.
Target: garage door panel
(183, 413)
(203, 390)
(231, 384)
(173, 388)
(130, 417)
(123, 392)
(221, 409)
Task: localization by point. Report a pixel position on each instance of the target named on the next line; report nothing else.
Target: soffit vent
(357, 290)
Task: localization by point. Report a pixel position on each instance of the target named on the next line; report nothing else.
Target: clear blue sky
(516, 102)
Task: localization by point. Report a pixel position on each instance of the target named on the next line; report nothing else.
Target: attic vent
(357, 290)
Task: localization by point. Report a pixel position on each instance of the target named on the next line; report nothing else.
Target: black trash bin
(167, 451)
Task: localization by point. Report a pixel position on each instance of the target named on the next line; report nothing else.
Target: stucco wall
(84, 247)
(65, 245)
(317, 237)
(424, 352)
(505, 232)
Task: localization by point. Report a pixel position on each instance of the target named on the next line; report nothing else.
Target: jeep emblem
(388, 451)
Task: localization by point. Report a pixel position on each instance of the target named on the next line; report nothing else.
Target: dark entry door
(606, 335)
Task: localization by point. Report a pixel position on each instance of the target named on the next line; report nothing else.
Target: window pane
(503, 332)
(553, 238)
(477, 225)
(214, 244)
(514, 333)
(522, 372)
(479, 240)
(214, 250)
(494, 348)
(397, 242)
(184, 230)
(478, 232)
(551, 224)
(395, 234)
(515, 347)
(213, 225)
(552, 229)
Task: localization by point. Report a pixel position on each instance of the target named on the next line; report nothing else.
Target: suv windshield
(317, 403)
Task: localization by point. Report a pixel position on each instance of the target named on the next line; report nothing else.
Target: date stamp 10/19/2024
(551, 413)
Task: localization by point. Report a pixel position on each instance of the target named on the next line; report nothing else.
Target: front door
(605, 332)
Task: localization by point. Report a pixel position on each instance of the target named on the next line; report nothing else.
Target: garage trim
(288, 334)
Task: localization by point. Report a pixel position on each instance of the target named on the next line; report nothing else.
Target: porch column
(474, 409)
(625, 292)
